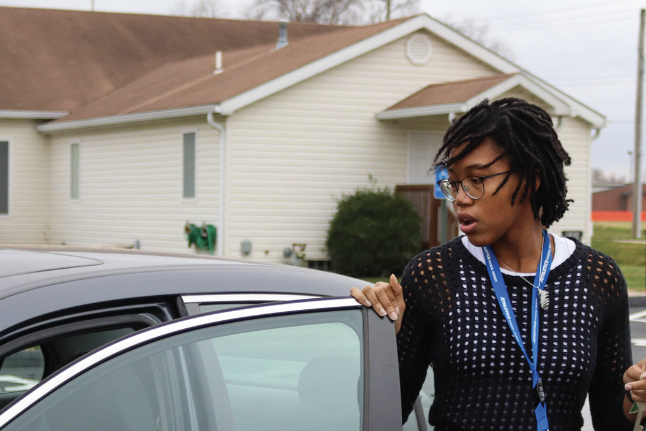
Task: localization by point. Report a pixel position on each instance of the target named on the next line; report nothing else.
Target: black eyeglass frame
(455, 183)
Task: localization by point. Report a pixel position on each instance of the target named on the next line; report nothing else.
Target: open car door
(306, 365)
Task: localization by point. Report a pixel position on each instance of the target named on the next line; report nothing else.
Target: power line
(597, 84)
(570, 18)
(529, 27)
(570, 54)
(590, 78)
(566, 19)
(614, 2)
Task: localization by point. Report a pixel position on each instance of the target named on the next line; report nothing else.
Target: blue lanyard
(502, 295)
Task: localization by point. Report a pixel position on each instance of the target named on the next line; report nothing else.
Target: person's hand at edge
(635, 381)
(387, 299)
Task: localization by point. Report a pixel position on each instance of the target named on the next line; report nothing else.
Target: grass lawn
(631, 258)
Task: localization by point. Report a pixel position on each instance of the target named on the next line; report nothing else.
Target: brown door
(428, 208)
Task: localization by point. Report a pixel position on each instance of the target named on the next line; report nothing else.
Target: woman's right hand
(384, 298)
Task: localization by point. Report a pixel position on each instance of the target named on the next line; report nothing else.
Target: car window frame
(191, 303)
(382, 405)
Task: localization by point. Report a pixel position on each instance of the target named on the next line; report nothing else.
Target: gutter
(33, 115)
(422, 111)
(221, 180)
(127, 118)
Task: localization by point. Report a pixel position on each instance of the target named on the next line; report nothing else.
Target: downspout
(221, 183)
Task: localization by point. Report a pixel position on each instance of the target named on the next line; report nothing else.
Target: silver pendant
(544, 299)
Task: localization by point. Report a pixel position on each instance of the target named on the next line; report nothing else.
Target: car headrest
(330, 379)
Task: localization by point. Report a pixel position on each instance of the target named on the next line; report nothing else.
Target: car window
(22, 370)
(200, 304)
(282, 373)
(208, 308)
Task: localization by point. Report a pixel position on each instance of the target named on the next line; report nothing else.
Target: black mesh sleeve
(413, 345)
(614, 354)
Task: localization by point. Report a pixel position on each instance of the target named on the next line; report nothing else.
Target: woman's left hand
(635, 380)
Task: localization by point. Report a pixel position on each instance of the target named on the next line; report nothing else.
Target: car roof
(35, 281)
(27, 267)
(36, 266)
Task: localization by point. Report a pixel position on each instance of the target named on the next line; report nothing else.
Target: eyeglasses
(473, 186)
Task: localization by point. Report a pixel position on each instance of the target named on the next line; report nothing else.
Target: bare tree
(199, 8)
(385, 10)
(351, 12)
(598, 176)
(479, 32)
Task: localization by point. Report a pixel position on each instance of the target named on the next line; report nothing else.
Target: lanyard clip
(539, 392)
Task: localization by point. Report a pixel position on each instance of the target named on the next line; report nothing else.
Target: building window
(4, 177)
(75, 171)
(189, 166)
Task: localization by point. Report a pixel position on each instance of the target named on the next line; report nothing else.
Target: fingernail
(393, 316)
(628, 387)
(368, 304)
(642, 377)
(397, 310)
(382, 312)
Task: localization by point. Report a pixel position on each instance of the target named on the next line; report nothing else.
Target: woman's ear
(537, 180)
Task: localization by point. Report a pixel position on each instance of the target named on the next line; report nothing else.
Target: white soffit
(127, 118)
(36, 115)
(422, 111)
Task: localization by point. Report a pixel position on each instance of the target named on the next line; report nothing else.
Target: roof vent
(282, 35)
(218, 62)
(419, 49)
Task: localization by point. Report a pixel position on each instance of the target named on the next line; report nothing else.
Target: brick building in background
(616, 204)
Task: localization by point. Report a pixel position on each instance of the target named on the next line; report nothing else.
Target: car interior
(43, 357)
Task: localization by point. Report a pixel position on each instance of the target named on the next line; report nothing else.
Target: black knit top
(482, 380)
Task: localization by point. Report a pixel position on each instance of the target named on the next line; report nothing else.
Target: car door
(306, 365)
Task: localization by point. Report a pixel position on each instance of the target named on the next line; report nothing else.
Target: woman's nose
(462, 198)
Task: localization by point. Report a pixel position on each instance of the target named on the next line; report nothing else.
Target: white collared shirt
(563, 248)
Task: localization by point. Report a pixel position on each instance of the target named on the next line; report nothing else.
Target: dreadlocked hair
(527, 137)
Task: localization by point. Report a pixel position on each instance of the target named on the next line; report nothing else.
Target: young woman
(519, 325)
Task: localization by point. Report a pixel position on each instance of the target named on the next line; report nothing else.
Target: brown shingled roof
(192, 83)
(58, 60)
(450, 92)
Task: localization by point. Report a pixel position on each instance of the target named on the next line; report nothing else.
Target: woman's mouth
(467, 223)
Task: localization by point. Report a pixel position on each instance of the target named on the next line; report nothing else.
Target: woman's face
(492, 217)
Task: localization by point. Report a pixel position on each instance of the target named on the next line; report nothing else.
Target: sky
(586, 48)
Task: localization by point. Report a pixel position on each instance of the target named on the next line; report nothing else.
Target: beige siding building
(262, 147)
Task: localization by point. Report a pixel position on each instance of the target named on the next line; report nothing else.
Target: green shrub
(373, 233)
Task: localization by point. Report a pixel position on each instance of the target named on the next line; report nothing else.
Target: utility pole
(637, 189)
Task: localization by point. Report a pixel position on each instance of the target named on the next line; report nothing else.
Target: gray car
(128, 341)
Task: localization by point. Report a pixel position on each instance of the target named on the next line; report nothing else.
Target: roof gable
(265, 74)
(460, 96)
